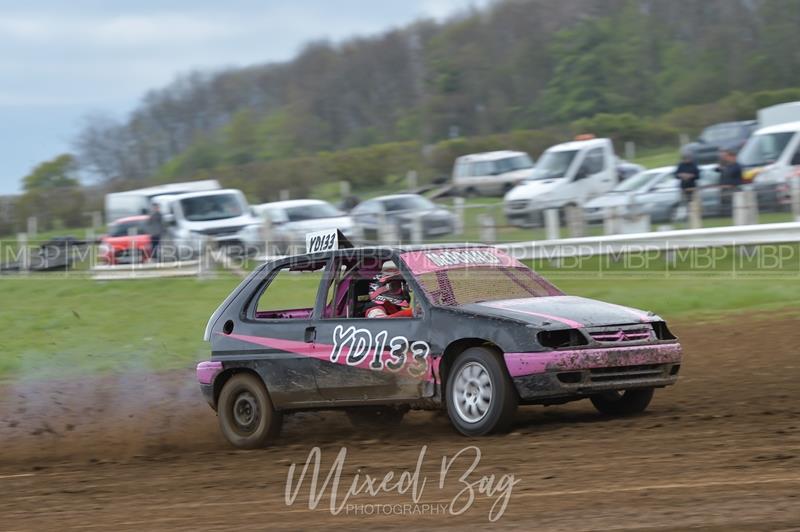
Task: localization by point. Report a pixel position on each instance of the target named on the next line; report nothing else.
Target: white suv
(492, 173)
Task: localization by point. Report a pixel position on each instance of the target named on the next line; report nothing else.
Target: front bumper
(583, 372)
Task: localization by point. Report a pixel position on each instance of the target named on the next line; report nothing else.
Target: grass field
(64, 326)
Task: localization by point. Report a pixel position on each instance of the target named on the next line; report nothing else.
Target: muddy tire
(623, 402)
(383, 416)
(246, 415)
(479, 394)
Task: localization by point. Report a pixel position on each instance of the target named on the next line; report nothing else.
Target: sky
(63, 60)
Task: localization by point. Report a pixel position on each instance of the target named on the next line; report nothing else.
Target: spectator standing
(730, 180)
(155, 227)
(688, 173)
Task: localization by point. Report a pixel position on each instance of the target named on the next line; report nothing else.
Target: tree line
(518, 64)
(519, 73)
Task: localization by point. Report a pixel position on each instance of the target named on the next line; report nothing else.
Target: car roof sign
(328, 240)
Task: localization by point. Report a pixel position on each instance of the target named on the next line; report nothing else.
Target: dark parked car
(723, 136)
(402, 211)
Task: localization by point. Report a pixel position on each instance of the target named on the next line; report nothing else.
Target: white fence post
(33, 227)
(695, 212)
(575, 221)
(630, 150)
(24, 253)
(416, 231)
(412, 179)
(795, 191)
(552, 224)
(611, 221)
(458, 209)
(387, 232)
(745, 207)
(344, 189)
(488, 228)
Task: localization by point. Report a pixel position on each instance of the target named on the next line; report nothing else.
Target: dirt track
(719, 451)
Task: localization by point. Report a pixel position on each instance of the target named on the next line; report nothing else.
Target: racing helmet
(389, 287)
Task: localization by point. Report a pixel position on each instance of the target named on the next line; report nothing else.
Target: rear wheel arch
(225, 376)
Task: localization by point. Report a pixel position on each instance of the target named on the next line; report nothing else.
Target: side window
(595, 161)
(368, 287)
(290, 293)
(796, 158)
(462, 169)
(708, 178)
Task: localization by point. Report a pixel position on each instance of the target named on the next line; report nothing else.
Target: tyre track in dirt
(719, 451)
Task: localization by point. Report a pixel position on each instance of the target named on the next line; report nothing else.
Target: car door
(368, 217)
(272, 337)
(592, 178)
(662, 199)
(369, 360)
(710, 195)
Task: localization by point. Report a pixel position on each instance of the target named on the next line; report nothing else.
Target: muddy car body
(487, 334)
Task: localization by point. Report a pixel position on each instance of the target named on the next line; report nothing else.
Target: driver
(388, 296)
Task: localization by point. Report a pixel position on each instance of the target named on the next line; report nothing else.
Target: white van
(221, 216)
(136, 202)
(566, 174)
(491, 173)
(771, 157)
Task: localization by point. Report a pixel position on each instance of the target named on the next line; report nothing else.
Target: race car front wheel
(246, 415)
(623, 403)
(479, 394)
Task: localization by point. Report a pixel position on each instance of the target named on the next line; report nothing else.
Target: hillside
(519, 64)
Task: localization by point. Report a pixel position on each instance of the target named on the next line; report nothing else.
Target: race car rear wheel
(479, 394)
(623, 402)
(381, 416)
(246, 415)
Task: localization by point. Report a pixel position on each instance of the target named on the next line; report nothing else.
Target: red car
(127, 241)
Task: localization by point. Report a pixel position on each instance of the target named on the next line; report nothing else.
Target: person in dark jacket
(155, 227)
(688, 173)
(729, 181)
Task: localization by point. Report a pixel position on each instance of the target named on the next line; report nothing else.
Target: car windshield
(722, 134)
(312, 212)
(125, 228)
(407, 203)
(216, 207)
(511, 164)
(553, 164)
(452, 277)
(640, 180)
(764, 149)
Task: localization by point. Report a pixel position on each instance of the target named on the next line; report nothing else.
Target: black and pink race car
(482, 333)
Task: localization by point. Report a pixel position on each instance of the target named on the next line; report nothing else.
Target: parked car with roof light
(401, 212)
(126, 241)
(481, 334)
(568, 174)
(491, 173)
(291, 220)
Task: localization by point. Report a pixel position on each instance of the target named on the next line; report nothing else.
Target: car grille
(517, 205)
(222, 231)
(626, 373)
(622, 335)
